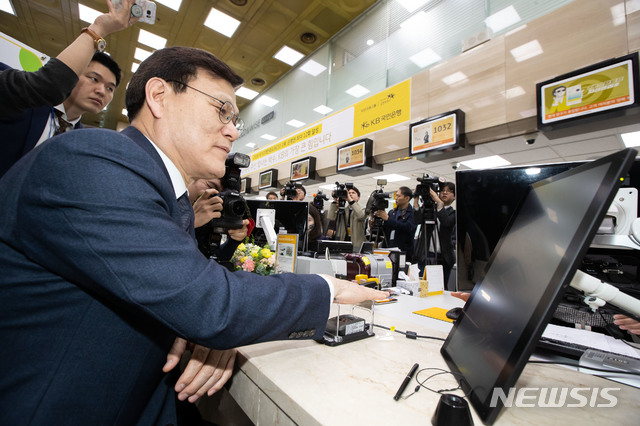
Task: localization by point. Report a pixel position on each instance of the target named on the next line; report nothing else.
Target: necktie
(185, 210)
(64, 124)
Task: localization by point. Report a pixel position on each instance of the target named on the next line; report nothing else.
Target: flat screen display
(533, 263)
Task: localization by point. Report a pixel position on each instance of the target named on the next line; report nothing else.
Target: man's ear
(156, 91)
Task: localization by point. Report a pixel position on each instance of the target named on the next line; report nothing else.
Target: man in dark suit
(34, 106)
(399, 226)
(100, 270)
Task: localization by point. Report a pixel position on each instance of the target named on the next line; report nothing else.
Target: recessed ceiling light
(486, 162)
(393, 177)
(527, 51)
(6, 6)
(141, 54)
(288, 55)
(425, 58)
(221, 22)
(322, 109)
(87, 14)
(454, 78)
(370, 42)
(358, 91)
(312, 67)
(268, 137)
(134, 66)
(151, 40)
(631, 139)
(243, 92)
(411, 5)
(171, 4)
(295, 123)
(502, 19)
(268, 101)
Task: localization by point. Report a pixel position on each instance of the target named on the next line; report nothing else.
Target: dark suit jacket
(27, 99)
(404, 228)
(98, 278)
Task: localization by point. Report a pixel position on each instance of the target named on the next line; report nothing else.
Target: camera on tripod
(378, 199)
(428, 182)
(342, 190)
(318, 200)
(233, 205)
(291, 190)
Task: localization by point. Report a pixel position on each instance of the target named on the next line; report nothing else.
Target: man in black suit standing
(101, 276)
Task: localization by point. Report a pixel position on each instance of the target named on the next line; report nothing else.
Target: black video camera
(342, 190)
(291, 190)
(378, 199)
(318, 200)
(426, 183)
(233, 205)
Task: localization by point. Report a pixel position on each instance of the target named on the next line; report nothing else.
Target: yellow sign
(382, 110)
(594, 91)
(312, 131)
(438, 133)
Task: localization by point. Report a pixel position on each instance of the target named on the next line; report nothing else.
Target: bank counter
(307, 383)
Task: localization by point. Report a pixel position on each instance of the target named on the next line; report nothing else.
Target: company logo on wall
(259, 122)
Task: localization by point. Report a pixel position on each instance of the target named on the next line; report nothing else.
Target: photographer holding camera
(293, 191)
(445, 220)
(399, 225)
(352, 227)
(207, 205)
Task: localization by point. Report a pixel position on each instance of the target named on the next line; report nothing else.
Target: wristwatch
(98, 41)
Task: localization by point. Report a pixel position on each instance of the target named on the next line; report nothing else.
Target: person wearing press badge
(399, 226)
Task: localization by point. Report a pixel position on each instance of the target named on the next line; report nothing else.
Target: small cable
(409, 334)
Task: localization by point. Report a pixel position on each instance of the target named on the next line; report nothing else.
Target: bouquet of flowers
(253, 258)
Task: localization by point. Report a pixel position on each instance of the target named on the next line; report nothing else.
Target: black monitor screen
(291, 217)
(533, 263)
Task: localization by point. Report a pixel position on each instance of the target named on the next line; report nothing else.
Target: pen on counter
(405, 382)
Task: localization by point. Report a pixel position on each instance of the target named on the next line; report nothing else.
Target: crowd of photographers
(424, 229)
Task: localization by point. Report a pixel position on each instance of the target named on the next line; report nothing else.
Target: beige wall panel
(480, 95)
(420, 96)
(579, 34)
(633, 26)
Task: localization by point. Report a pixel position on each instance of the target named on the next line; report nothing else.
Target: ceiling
(266, 25)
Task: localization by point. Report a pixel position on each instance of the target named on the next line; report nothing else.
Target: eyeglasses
(226, 112)
(446, 192)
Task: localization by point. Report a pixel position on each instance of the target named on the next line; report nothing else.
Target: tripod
(428, 235)
(377, 234)
(341, 222)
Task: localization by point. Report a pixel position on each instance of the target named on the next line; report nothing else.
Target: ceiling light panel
(288, 55)
(503, 19)
(88, 14)
(6, 6)
(221, 22)
(246, 93)
(357, 91)
(313, 68)
(151, 40)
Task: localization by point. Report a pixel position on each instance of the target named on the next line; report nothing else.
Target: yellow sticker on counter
(388, 264)
(365, 260)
